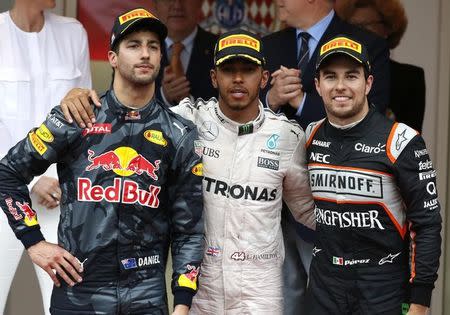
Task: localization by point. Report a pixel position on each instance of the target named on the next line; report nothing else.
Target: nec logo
(320, 157)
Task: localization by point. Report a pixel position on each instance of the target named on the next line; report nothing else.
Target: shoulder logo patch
(156, 137)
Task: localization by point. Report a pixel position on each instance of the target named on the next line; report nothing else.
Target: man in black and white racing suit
(132, 187)
(252, 160)
(377, 212)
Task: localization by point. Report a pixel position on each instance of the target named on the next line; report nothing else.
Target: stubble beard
(141, 81)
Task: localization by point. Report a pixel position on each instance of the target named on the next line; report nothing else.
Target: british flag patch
(213, 251)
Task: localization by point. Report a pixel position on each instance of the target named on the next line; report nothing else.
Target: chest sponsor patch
(348, 219)
(320, 143)
(268, 163)
(365, 148)
(156, 137)
(97, 129)
(320, 157)
(237, 191)
(345, 182)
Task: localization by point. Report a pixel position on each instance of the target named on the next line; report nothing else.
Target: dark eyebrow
(353, 71)
(328, 72)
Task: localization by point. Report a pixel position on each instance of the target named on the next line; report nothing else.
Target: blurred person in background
(387, 18)
(42, 56)
(188, 54)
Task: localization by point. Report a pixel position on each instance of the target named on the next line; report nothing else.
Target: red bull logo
(30, 215)
(189, 279)
(123, 161)
(122, 191)
(12, 209)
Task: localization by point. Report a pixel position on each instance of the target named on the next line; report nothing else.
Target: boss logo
(268, 163)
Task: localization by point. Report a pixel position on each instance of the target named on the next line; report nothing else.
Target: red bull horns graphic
(30, 215)
(124, 161)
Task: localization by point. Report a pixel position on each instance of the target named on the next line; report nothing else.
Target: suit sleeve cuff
(183, 297)
(300, 107)
(164, 99)
(421, 294)
(31, 237)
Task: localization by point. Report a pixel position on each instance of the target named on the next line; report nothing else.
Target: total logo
(361, 147)
(124, 161)
(349, 262)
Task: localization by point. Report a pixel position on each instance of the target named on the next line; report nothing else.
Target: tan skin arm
(76, 105)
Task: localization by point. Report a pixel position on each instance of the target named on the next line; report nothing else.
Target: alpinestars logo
(389, 259)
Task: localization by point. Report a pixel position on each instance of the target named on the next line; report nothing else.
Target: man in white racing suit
(252, 160)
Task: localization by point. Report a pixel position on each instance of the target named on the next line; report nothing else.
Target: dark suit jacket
(281, 49)
(200, 64)
(407, 94)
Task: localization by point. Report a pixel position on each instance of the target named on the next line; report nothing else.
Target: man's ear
(112, 57)
(317, 82)
(213, 75)
(369, 82)
(264, 79)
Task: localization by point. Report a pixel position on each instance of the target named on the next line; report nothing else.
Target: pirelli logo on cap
(239, 40)
(341, 42)
(135, 14)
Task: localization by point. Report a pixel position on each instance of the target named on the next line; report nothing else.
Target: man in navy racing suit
(378, 216)
(253, 160)
(131, 187)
